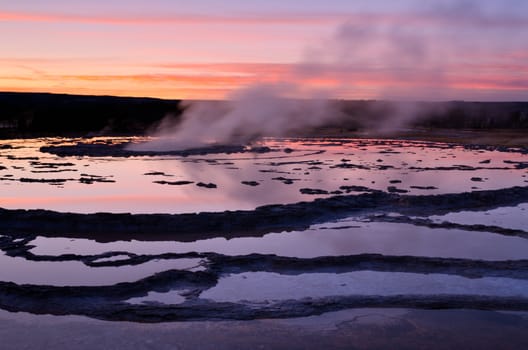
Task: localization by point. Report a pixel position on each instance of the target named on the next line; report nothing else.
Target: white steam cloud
(256, 111)
(409, 60)
(286, 108)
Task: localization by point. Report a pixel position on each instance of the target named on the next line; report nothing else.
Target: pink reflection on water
(314, 163)
(373, 238)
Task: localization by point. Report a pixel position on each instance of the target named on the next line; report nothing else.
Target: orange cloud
(427, 18)
(216, 80)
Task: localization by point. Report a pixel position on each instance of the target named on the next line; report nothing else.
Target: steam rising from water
(411, 62)
(260, 110)
(282, 109)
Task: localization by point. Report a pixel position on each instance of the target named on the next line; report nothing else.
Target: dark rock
(350, 166)
(25, 179)
(384, 167)
(250, 183)
(53, 171)
(11, 157)
(314, 191)
(157, 173)
(393, 189)
(206, 185)
(353, 188)
(424, 187)
(261, 149)
(173, 183)
(284, 180)
(37, 164)
(518, 165)
(336, 192)
(120, 150)
(91, 180)
(274, 171)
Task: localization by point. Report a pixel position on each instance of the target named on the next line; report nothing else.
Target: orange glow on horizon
(182, 52)
(218, 80)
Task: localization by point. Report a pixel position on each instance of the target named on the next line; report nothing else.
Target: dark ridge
(120, 150)
(450, 225)
(221, 264)
(240, 223)
(443, 115)
(110, 305)
(108, 302)
(42, 114)
(45, 114)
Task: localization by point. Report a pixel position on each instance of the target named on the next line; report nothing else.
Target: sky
(208, 49)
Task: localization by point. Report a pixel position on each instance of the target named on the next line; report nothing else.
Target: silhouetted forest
(43, 114)
(478, 115)
(57, 114)
(442, 115)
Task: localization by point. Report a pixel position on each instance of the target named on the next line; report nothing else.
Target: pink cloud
(427, 18)
(175, 18)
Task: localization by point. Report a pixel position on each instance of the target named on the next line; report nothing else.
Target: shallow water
(509, 217)
(252, 267)
(416, 167)
(267, 287)
(346, 237)
(75, 273)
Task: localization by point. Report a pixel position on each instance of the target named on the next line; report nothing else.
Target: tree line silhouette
(43, 114)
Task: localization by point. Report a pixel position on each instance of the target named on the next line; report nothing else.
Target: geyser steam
(410, 60)
(281, 109)
(260, 110)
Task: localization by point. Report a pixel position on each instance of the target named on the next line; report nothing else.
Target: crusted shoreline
(19, 228)
(110, 302)
(297, 216)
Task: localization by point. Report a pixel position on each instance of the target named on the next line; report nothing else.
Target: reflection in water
(509, 217)
(377, 238)
(295, 170)
(415, 167)
(75, 273)
(265, 286)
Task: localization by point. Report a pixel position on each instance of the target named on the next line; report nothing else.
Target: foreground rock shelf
(121, 150)
(192, 290)
(106, 226)
(112, 302)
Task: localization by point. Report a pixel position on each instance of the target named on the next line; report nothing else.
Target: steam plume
(259, 110)
(413, 61)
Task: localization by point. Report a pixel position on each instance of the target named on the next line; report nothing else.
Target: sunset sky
(464, 50)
